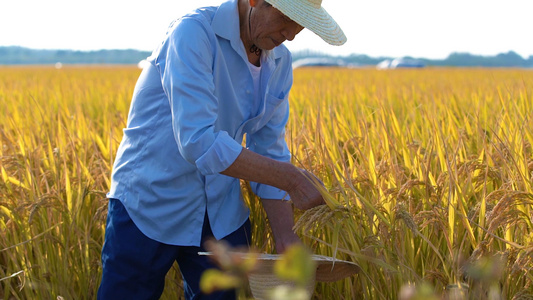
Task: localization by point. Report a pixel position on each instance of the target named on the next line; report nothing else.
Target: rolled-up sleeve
(185, 62)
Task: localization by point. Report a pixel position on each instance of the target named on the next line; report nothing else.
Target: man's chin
(276, 43)
(269, 46)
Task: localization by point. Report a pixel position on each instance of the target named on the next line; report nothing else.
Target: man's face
(270, 28)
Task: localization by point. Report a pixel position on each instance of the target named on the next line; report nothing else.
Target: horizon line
(309, 51)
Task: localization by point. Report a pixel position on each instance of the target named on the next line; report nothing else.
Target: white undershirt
(256, 75)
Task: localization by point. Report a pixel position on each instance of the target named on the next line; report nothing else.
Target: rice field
(428, 175)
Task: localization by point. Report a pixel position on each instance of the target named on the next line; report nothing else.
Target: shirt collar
(226, 25)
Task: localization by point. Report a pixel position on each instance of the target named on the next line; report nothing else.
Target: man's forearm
(280, 217)
(257, 168)
(298, 183)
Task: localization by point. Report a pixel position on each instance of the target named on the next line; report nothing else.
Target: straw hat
(328, 269)
(311, 15)
(262, 280)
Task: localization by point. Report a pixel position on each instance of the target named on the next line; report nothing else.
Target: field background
(429, 175)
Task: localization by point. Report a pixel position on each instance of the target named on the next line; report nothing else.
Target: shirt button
(248, 92)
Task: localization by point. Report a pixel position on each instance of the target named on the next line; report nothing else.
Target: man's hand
(301, 185)
(304, 191)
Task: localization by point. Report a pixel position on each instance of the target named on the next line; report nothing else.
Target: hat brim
(315, 19)
(328, 269)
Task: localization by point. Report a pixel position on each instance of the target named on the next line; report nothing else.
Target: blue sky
(419, 28)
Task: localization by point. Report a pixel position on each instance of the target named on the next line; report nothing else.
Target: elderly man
(220, 73)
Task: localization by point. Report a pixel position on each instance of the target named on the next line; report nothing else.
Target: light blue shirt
(190, 110)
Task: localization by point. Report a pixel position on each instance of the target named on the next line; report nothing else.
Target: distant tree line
(509, 59)
(14, 55)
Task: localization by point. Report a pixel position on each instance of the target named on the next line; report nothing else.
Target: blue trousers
(134, 266)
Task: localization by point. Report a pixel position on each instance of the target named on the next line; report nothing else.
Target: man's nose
(291, 31)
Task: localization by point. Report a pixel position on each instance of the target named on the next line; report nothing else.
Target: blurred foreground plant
(294, 271)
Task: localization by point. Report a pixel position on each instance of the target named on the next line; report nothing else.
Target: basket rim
(328, 269)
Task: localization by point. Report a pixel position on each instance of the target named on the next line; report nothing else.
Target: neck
(245, 14)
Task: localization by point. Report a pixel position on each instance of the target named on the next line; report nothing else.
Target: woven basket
(262, 284)
(263, 280)
(329, 269)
